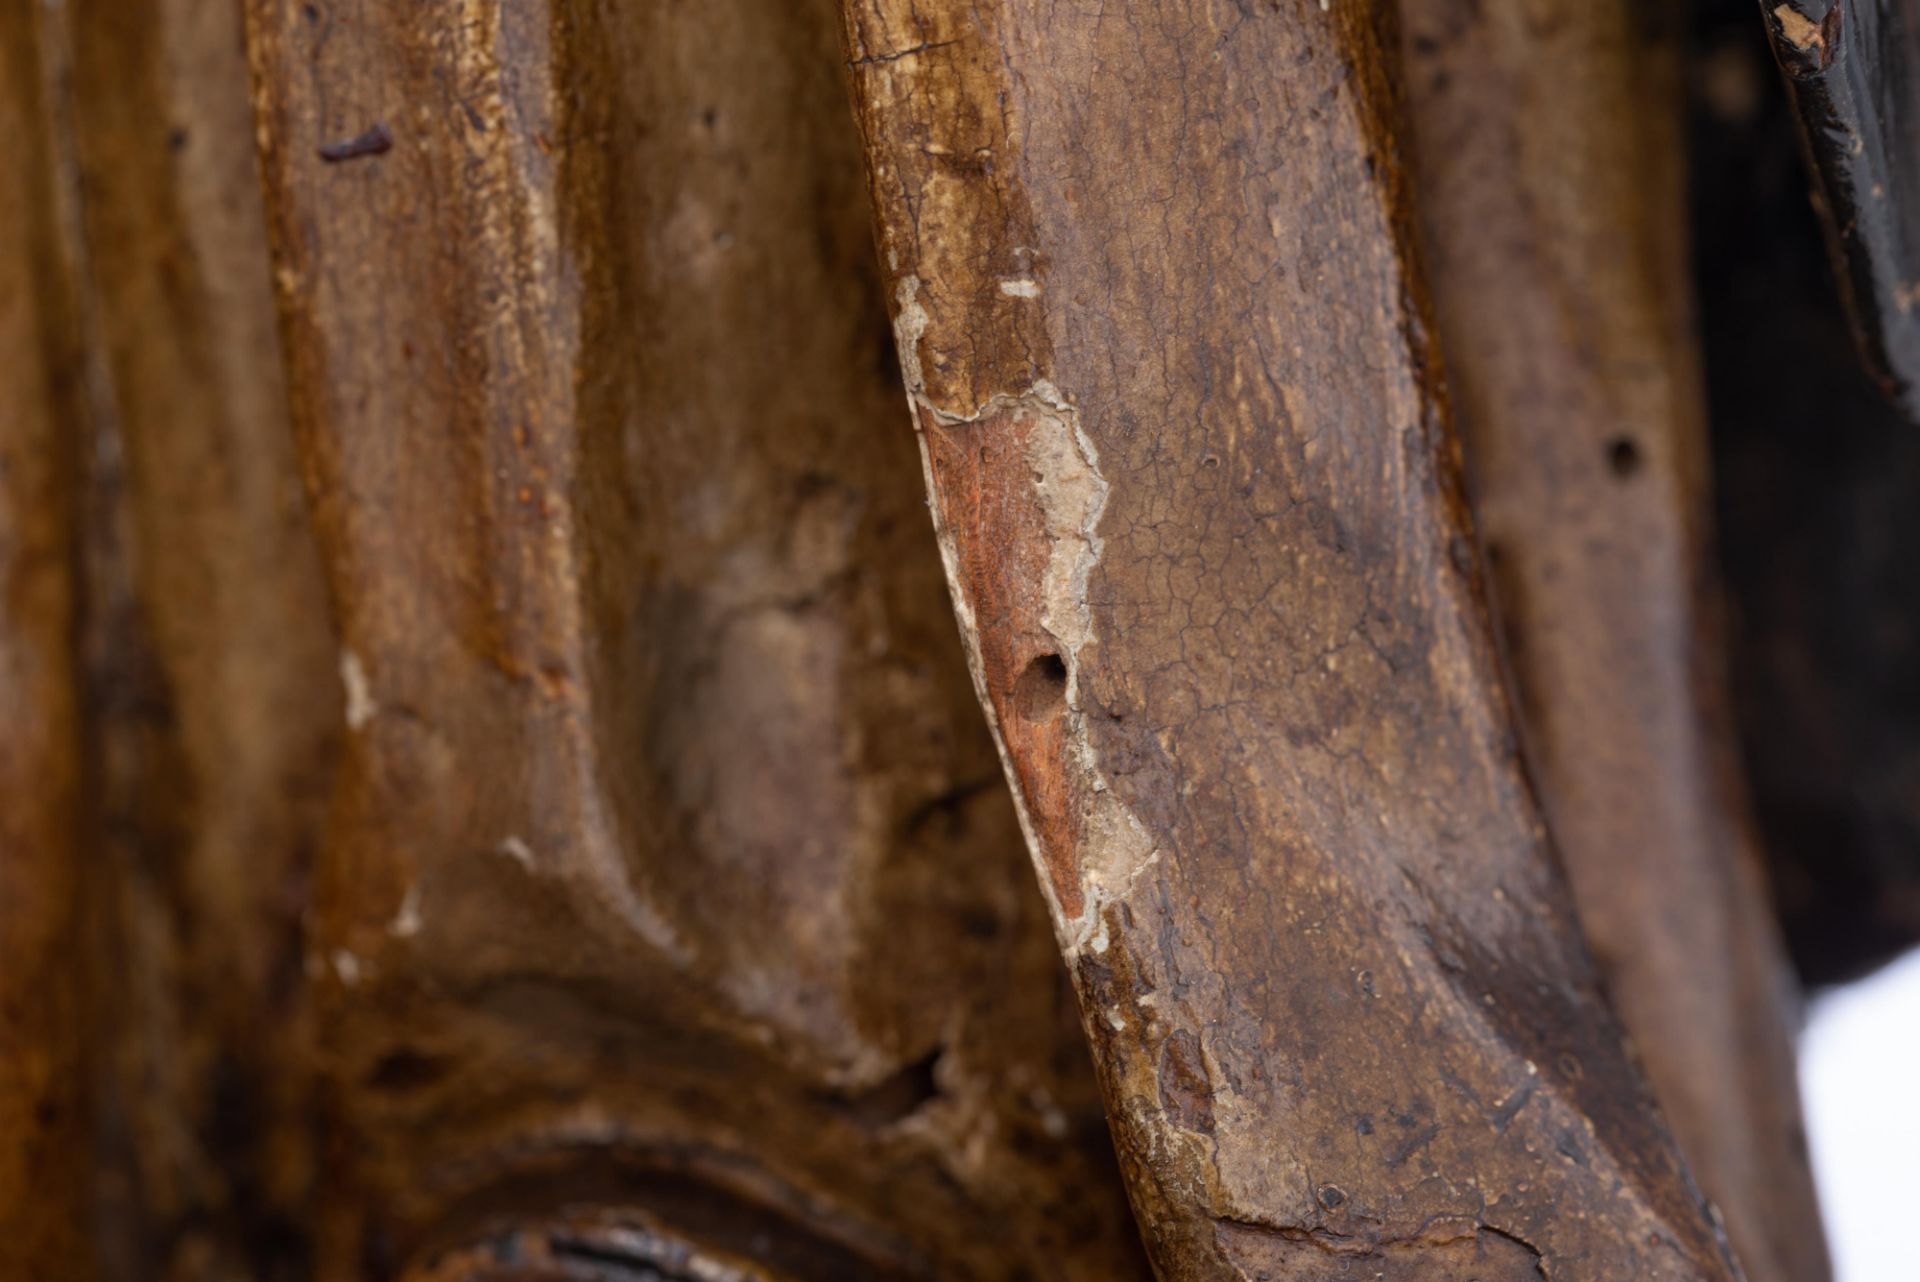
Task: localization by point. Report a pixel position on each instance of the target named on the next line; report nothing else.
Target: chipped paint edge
(1115, 848)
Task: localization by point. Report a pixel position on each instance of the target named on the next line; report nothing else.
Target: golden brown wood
(1550, 176)
(671, 880)
(216, 699)
(1195, 485)
(44, 1158)
(566, 845)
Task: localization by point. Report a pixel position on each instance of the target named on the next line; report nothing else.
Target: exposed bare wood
(1551, 178)
(44, 1159)
(671, 876)
(1166, 352)
(490, 789)
(214, 692)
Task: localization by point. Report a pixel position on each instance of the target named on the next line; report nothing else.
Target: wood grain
(671, 880)
(1167, 354)
(44, 1160)
(215, 702)
(1551, 182)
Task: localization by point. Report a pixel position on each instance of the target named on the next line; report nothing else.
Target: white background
(1860, 1077)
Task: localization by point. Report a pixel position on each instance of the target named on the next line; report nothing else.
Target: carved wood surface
(218, 714)
(1208, 550)
(670, 873)
(1551, 181)
(43, 1161)
(489, 786)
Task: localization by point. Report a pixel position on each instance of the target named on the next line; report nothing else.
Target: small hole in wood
(1623, 456)
(1041, 690)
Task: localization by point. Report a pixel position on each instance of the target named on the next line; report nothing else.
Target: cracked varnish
(1200, 457)
(1550, 180)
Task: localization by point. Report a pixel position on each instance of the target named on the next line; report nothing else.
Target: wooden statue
(491, 787)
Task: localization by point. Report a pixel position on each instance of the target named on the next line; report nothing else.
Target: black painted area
(1853, 76)
(1818, 502)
